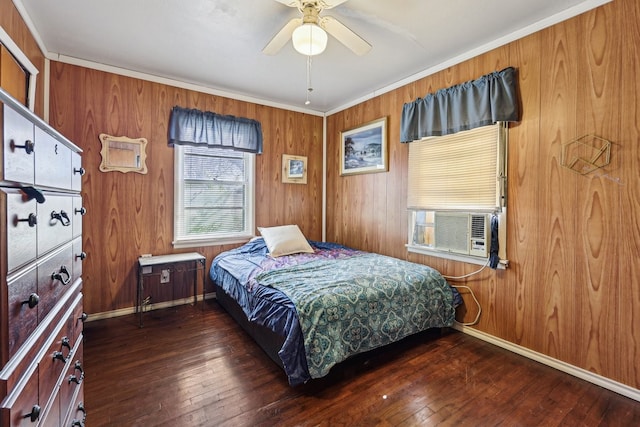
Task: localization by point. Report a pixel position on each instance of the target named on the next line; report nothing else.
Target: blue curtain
(203, 128)
(487, 100)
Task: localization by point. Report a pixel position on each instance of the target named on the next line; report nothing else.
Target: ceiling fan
(312, 21)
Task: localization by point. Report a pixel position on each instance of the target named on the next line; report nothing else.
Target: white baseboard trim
(110, 314)
(131, 310)
(609, 384)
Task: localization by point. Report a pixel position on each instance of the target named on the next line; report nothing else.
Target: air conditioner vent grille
(478, 226)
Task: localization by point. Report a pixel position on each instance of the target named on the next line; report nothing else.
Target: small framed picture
(294, 169)
(364, 149)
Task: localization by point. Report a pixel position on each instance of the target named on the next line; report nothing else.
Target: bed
(311, 305)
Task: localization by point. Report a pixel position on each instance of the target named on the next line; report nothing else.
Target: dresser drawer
(55, 217)
(54, 279)
(23, 300)
(52, 416)
(71, 385)
(76, 218)
(60, 334)
(77, 412)
(79, 317)
(21, 227)
(76, 171)
(78, 258)
(22, 408)
(53, 162)
(18, 147)
(54, 366)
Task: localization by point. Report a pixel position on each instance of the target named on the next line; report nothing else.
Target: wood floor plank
(193, 366)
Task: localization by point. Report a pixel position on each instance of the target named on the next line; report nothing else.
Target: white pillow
(285, 240)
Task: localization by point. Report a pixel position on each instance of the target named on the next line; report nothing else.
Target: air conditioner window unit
(462, 233)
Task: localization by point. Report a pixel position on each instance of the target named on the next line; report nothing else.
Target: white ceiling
(217, 44)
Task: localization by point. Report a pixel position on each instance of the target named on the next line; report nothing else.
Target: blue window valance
(204, 128)
(491, 98)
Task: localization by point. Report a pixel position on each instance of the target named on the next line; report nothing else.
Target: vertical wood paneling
(557, 204)
(132, 214)
(628, 176)
(572, 291)
(395, 214)
(597, 276)
(523, 193)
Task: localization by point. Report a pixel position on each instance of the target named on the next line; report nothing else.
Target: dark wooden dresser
(41, 313)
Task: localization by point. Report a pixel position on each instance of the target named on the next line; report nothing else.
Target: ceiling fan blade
(283, 36)
(290, 3)
(344, 35)
(322, 4)
(329, 4)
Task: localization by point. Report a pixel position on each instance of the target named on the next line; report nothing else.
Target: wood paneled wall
(14, 26)
(572, 290)
(129, 214)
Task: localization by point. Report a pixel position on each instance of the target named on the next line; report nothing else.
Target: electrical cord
(470, 291)
(477, 303)
(467, 275)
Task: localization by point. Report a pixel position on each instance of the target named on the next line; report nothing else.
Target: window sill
(453, 256)
(211, 241)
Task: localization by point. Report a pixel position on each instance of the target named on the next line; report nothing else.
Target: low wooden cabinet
(41, 308)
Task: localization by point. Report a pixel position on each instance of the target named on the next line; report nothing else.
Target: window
(455, 184)
(214, 196)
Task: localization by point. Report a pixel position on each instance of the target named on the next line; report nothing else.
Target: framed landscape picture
(364, 149)
(294, 169)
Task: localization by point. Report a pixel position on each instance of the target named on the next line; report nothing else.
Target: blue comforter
(334, 303)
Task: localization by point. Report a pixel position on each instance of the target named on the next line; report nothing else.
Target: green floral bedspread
(348, 306)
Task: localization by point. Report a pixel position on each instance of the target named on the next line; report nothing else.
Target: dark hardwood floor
(193, 366)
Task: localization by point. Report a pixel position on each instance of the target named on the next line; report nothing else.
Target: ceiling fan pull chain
(309, 87)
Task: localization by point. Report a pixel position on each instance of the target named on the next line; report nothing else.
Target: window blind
(213, 195)
(455, 172)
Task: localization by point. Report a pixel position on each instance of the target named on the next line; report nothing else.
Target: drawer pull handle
(82, 256)
(28, 146)
(32, 220)
(81, 171)
(57, 355)
(65, 343)
(60, 275)
(33, 193)
(80, 211)
(74, 379)
(33, 300)
(83, 317)
(34, 414)
(77, 423)
(78, 367)
(62, 217)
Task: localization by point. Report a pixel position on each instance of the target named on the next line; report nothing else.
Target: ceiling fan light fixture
(309, 39)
